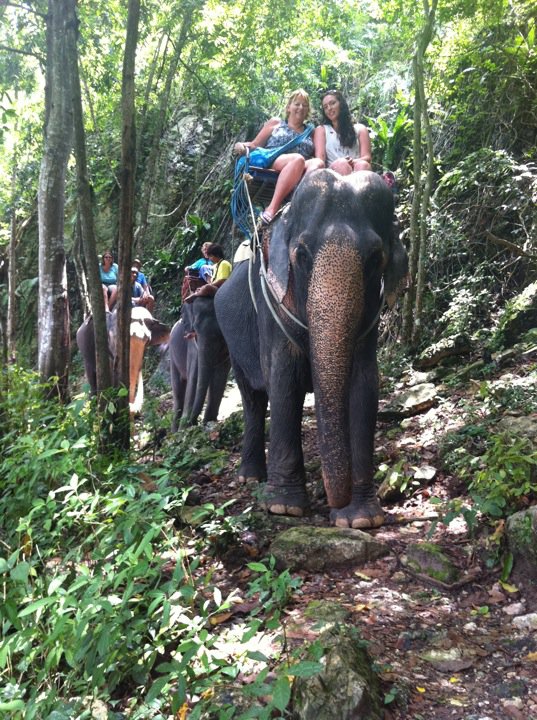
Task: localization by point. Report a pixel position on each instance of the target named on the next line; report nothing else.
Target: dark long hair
(346, 133)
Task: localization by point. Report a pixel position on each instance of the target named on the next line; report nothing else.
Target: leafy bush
(104, 599)
(484, 201)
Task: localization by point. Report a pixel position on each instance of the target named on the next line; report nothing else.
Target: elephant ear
(160, 333)
(278, 269)
(396, 268)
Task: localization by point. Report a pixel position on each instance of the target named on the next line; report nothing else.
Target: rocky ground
(457, 650)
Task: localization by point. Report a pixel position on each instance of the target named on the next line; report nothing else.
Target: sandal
(265, 219)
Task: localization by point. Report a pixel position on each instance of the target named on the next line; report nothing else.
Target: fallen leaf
(532, 657)
(454, 680)
(420, 689)
(509, 588)
(220, 618)
(361, 607)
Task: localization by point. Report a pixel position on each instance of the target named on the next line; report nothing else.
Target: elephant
(144, 330)
(199, 360)
(304, 317)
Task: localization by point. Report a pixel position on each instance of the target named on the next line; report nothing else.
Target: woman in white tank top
(348, 147)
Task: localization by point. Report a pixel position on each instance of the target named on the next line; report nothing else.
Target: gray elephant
(199, 361)
(318, 286)
(144, 330)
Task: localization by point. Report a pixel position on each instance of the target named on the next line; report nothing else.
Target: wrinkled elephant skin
(328, 257)
(144, 330)
(199, 363)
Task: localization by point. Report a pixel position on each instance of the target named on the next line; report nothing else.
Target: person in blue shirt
(148, 299)
(202, 267)
(137, 291)
(109, 276)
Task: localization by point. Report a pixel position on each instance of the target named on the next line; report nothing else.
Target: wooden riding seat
(261, 182)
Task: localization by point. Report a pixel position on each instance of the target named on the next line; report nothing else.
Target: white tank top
(334, 148)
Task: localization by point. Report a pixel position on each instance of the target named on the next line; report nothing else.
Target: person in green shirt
(221, 267)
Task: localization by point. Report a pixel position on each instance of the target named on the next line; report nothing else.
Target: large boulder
(522, 538)
(347, 688)
(317, 549)
(519, 316)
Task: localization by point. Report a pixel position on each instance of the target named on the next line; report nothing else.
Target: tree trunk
(12, 269)
(412, 306)
(86, 227)
(53, 312)
(126, 213)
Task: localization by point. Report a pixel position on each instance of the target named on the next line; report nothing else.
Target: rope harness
(269, 294)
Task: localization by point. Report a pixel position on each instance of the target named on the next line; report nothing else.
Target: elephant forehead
(140, 330)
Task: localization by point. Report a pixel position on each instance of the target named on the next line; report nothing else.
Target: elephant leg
(364, 510)
(191, 381)
(217, 388)
(285, 492)
(178, 393)
(254, 405)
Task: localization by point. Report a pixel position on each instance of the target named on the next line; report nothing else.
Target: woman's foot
(265, 218)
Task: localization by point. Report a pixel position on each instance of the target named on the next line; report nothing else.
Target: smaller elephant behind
(144, 330)
(199, 363)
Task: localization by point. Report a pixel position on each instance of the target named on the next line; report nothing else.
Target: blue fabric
(141, 278)
(282, 135)
(110, 277)
(200, 263)
(206, 272)
(137, 290)
(260, 157)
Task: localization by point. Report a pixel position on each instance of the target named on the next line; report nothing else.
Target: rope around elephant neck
(265, 285)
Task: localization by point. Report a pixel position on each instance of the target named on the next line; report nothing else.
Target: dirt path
(442, 653)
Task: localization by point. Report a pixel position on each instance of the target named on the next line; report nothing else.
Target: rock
(427, 559)
(425, 472)
(519, 315)
(521, 426)
(413, 401)
(526, 622)
(450, 660)
(514, 608)
(447, 347)
(521, 530)
(326, 614)
(316, 549)
(347, 688)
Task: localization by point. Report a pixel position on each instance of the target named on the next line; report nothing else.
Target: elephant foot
(248, 479)
(358, 515)
(279, 500)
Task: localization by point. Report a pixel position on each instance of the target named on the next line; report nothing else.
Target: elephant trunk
(335, 311)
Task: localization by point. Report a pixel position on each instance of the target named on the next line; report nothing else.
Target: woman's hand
(240, 148)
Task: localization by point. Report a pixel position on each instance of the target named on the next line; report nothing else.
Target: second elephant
(199, 363)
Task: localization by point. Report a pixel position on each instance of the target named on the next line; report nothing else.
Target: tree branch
(511, 246)
(26, 8)
(39, 57)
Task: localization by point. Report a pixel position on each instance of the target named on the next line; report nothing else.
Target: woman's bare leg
(291, 168)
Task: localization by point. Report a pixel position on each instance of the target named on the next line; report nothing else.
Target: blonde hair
(298, 94)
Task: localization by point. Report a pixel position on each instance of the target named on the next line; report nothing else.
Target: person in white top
(347, 144)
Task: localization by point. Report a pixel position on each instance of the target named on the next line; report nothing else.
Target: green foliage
(487, 81)
(391, 140)
(274, 589)
(103, 598)
(485, 199)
